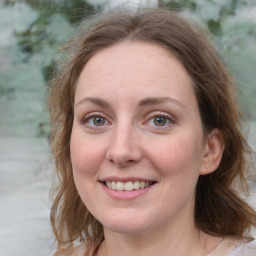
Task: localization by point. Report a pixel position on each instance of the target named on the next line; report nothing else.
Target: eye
(93, 120)
(98, 120)
(160, 120)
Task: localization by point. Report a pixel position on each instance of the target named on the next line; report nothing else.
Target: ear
(214, 147)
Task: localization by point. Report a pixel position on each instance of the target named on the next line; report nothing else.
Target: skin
(130, 143)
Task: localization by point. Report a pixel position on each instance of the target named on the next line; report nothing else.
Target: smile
(128, 185)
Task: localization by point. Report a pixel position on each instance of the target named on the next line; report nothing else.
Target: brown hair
(219, 210)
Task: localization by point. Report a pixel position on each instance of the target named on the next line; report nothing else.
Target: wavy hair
(219, 210)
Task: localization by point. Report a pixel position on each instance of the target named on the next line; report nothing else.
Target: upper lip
(125, 179)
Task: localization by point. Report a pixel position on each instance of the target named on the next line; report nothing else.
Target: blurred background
(31, 33)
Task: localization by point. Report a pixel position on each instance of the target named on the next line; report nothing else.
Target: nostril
(120, 158)
(123, 152)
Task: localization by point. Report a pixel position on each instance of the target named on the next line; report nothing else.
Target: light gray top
(227, 247)
(247, 249)
(235, 247)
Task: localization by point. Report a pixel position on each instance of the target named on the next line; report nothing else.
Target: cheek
(179, 163)
(181, 156)
(86, 158)
(86, 155)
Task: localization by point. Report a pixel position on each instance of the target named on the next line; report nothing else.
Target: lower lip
(126, 195)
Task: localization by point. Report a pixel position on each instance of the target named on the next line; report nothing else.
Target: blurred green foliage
(233, 26)
(33, 31)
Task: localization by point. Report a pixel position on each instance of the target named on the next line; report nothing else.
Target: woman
(146, 137)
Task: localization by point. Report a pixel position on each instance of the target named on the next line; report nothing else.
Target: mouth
(128, 185)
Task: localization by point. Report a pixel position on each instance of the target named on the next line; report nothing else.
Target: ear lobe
(214, 148)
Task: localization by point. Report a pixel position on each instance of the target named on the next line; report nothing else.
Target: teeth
(136, 185)
(113, 185)
(119, 185)
(127, 186)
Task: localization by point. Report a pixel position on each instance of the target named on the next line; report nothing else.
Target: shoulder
(246, 249)
(231, 246)
(78, 250)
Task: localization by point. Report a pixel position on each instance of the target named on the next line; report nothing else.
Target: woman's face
(137, 144)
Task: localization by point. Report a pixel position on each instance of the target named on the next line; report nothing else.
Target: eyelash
(167, 117)
(91, 116)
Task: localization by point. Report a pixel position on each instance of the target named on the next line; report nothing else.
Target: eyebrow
(96, 101)
(158, 100)
(144, 102)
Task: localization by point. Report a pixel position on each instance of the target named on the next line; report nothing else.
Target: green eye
(160, 121)
(98, 121)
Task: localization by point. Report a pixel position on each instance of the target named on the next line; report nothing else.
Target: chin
(127, 225)
(126, 228)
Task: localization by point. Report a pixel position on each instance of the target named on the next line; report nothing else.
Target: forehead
(125, 54)
(133, 68)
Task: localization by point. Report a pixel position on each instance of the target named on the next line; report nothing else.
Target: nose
(124, 147)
